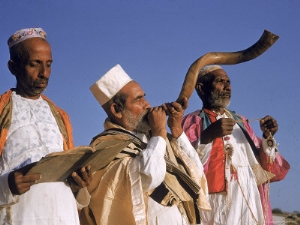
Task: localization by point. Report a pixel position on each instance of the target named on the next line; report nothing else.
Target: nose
(45, 70)
(147, 105)
(227, 86)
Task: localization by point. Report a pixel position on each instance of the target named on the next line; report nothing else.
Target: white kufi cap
(110, 84)
(207, 69)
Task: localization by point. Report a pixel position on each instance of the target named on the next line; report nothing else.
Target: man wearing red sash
(238, 165)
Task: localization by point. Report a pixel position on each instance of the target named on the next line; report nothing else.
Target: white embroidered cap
(207, 69)
(110, 84)
(22, 35)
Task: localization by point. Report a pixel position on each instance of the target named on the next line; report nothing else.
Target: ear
(114, 109)
(12, 66)
(199, 88)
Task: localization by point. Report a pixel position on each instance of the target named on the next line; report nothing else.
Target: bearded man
(238, 165)
(158, 178)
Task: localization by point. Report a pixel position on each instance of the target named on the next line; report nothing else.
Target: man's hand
(19, 183)
(158, 121)
(268, 125)
(80, 179)
(219, 128)
(175, 111)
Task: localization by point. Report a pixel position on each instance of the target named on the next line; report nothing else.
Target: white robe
(33, 134)
(242, 204)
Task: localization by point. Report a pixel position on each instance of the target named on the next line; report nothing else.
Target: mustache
(225, 94)
(41, 80)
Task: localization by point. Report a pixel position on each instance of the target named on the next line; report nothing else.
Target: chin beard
(31, 87)
(220, 103)
(143, 127)
(216, 99)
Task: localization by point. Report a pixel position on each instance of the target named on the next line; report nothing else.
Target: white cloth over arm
(151, 163)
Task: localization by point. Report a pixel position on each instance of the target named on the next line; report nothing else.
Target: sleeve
(151, 163)
(187, 147)
(6, 197)
(191, 125)
(82, 198)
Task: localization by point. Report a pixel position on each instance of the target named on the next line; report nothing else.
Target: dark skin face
(216, 97)
(33, 72)
(137, 110)
(221, 89)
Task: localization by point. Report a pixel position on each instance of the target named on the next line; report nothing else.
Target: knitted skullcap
(110, 84)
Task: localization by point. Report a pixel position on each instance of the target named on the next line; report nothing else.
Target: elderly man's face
(136, 108)
(220, 93)
(33, 72)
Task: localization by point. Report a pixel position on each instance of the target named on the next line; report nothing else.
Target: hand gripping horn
(266, 40)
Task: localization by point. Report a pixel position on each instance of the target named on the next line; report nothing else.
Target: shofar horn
(266, 40)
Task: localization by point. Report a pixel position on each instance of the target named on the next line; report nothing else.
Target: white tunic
(152, 169)
(33, 134)
(242, 204)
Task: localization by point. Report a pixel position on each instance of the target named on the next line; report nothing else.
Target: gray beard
(216, 100)
(138, 124)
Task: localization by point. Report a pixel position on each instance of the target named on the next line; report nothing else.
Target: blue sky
(155, 42)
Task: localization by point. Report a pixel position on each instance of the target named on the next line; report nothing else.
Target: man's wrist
(176, 132)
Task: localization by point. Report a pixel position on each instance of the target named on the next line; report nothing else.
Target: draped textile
(118, 190)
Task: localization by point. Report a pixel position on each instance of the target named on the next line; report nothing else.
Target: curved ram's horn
(266, 40)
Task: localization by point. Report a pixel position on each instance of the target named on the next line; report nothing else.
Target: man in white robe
(32, 126)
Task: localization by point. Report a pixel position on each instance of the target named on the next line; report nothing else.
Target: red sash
(215, 166)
